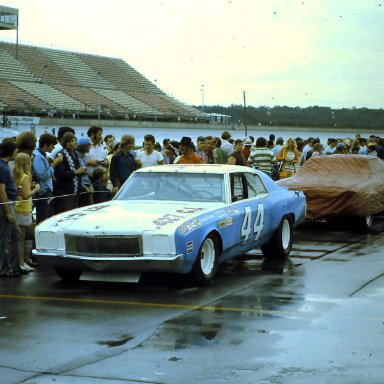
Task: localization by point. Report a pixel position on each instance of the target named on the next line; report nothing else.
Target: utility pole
(245, 115)
(202, 98)
(155, 101)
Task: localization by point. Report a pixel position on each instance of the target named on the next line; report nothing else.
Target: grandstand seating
(43, 79)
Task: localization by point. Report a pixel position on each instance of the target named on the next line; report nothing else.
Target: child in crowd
(101, 192)
(22, 174)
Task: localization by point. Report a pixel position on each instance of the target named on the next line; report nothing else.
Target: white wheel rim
(286, 234)
(207, 257)
(368, 220)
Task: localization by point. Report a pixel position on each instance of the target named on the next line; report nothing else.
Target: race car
(341, 187)
(174, 218)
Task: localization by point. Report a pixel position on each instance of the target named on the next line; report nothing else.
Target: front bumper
(158, 263)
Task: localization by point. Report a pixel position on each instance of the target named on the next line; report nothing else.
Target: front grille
(104, 246)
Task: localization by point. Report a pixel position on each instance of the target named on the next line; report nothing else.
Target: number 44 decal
(246, 226)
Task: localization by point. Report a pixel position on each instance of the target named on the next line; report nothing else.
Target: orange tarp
(340, 185)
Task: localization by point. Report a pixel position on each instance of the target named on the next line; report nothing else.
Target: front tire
(279, 245)
(207, 261)
(69, 275)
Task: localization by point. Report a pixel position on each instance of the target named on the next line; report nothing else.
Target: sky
(212, 52)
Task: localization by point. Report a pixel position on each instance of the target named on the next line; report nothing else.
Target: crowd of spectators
(67, 172)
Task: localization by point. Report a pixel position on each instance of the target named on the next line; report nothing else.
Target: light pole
(99, 103)
(98, 109)
(155, 101)
(202, 98)
(45, 87)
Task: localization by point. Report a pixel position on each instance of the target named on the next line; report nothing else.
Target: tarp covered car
(338, 186)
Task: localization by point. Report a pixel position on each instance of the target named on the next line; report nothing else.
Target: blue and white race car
(174, 218)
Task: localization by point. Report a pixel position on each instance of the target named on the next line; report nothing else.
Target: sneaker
(25, 268)
(32, 263)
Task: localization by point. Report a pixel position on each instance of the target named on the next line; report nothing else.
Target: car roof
(196, 168)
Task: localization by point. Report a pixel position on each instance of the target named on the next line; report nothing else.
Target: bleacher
(42, 81)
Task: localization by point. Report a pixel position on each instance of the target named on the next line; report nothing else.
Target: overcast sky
(280, 52)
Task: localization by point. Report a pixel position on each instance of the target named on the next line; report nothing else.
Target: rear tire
(279, 245)
(363, 224)
(207, 261)
(70, 275)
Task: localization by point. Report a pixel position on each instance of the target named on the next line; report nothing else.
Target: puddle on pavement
(116, 343)
(240, 316)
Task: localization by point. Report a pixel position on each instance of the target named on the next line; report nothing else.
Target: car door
(250, 199)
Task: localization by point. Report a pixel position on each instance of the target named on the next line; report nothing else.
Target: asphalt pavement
(315, 318)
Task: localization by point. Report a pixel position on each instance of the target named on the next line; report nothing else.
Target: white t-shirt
(56, 149)
(149, 160)
(96, 152)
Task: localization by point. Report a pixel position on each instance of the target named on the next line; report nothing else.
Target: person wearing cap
(247, 147)
(86, 191)
(44, 172)
(339, 149)
(187, 154)
(371, 148)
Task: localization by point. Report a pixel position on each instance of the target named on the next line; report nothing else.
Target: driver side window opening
(244, 186)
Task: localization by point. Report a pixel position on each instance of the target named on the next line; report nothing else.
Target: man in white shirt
(51, 156)
(96, 157)
(225, 144)
(148, 156)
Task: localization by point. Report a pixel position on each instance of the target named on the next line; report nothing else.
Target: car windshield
(173, 186)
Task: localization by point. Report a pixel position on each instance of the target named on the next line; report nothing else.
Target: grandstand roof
(8, 17)
(43, 81)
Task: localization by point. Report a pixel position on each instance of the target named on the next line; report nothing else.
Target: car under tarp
(340, 185)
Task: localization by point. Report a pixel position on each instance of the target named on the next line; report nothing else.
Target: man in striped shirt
(261, 157)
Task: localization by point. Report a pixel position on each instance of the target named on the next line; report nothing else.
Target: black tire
(207, 261)
(279, 245)
(362, 224)
(68, 274)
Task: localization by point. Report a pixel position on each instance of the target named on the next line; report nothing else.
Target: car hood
(121, 216)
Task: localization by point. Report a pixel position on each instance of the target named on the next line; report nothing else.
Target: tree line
(302, 117)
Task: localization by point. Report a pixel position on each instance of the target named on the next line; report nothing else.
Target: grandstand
(45, 82)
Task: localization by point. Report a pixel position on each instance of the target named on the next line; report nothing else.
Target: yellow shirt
(23, 206)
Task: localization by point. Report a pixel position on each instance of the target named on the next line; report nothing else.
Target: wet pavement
(316, 318)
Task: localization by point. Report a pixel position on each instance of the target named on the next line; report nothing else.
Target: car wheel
(207, 261)
(363, 224)
(280, 244)
(68, 274)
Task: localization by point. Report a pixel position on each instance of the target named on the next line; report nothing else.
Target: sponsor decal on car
(226, 222)
(75, 216)
(172, 218)
(190, 226)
